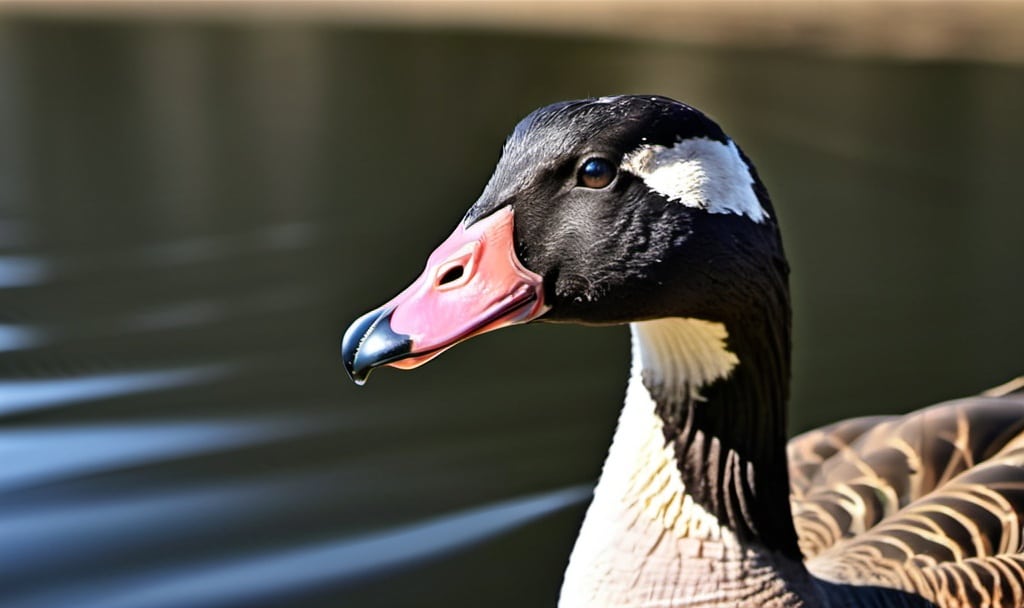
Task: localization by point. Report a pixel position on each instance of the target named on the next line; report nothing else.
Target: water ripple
(19, 396)
(20, 337)
(254, 578)
(23, 271)
(34, 456)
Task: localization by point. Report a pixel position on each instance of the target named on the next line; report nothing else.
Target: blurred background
(197, 198)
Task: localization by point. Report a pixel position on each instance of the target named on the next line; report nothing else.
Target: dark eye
(596, 173)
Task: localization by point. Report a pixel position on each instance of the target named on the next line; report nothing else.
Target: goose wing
(931, 502)
(810, 451)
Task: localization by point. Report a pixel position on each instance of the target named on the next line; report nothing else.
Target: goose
(640, 210)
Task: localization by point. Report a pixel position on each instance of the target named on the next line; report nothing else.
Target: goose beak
(473, 283)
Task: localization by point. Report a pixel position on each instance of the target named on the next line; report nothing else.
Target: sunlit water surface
(191, 215)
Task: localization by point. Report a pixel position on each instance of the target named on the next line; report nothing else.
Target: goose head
(600, 211)
(640, 210)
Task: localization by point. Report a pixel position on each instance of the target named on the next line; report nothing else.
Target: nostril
(452, 274)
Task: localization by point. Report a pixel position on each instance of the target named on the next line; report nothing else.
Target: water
(190, 215)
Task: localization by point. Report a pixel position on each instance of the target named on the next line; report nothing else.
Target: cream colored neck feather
(681, 354)
(644, 542)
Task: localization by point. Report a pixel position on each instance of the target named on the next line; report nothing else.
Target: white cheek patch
(701, 173)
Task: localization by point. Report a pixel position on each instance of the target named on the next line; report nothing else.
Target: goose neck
(718, 394)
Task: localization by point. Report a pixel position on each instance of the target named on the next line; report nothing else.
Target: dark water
(190, 216)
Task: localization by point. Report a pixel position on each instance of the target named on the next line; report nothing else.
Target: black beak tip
(358, 375)
(351, 342)
(369, 343)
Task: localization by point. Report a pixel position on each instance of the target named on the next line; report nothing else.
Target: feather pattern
(931, 503)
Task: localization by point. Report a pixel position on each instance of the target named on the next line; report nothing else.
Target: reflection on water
(193, 214)
(255, 578)
(51, 454)
(18, 337)
(22, 271)
(21, 396)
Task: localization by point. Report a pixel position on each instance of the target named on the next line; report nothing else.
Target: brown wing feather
(931, 502)
(809, 451)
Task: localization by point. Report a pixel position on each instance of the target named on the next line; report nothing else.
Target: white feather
(701, 173)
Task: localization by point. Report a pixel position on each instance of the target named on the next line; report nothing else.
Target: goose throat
(674, 360)
(658, 504)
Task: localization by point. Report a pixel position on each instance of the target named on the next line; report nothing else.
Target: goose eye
(596, 173)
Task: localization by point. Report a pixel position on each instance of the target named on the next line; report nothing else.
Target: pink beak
(473, 283)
